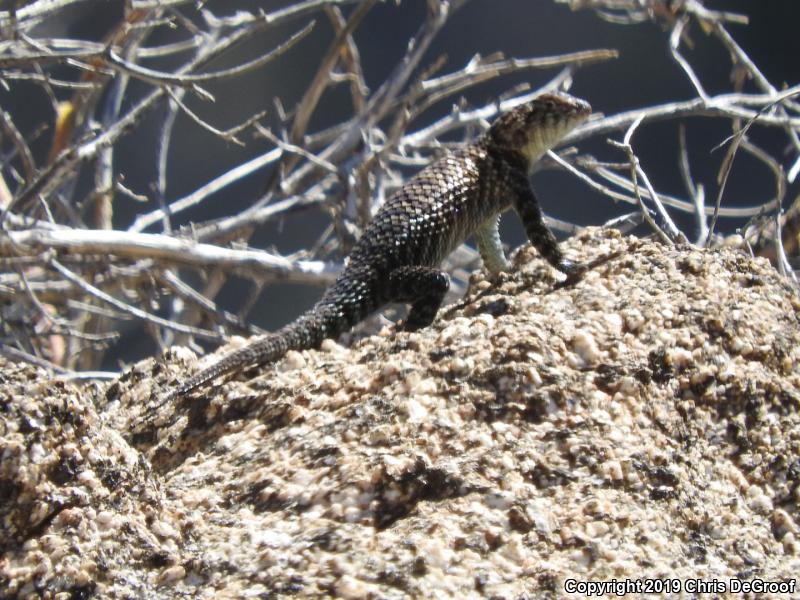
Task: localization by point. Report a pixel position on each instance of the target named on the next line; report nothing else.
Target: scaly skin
(397, 258)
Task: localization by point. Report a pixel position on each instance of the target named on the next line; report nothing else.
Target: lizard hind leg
(424, 288)
(490, 246)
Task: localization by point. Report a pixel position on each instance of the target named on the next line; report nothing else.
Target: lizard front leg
(540, 236)
(424, 288)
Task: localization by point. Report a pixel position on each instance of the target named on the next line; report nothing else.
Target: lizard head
(536, 126)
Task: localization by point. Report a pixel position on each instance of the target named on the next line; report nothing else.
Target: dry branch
(169, 250)
(69, 256)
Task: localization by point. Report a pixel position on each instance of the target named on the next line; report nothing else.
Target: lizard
(397, 258)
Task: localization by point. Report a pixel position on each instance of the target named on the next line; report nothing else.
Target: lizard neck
(511, 156)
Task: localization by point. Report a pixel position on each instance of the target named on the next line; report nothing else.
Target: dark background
(644, 75)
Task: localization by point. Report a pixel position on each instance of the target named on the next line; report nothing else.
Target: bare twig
(696, 192)
(23, 150)
(143, 221)
(165, 248)
(125, 307)
(186, 292)
(323, 76)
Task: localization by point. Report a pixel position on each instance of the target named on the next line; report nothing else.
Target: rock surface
(641, 423)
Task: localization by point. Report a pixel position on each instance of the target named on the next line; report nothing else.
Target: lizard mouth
(582, 108)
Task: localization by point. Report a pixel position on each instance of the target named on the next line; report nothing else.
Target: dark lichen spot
(495, 308)
(64, 470)
(397, 496)
(660, 371)
(440, 353)
(419, 567)
(518, 520)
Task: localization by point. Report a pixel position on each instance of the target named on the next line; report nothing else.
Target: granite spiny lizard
(397, 257)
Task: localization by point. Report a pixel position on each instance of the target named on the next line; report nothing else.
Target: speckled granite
(642, 423)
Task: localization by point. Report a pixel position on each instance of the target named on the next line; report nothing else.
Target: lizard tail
(308, 331)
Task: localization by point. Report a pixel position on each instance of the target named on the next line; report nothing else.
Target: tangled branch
(77, 268)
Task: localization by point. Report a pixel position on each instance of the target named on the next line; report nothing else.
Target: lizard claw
(571, 269)
(574, 271)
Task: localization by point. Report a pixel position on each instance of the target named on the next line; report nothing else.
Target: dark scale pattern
(397, 258)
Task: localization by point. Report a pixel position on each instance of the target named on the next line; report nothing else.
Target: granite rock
(639, 424)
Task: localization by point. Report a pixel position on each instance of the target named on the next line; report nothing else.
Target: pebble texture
(640, 423)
